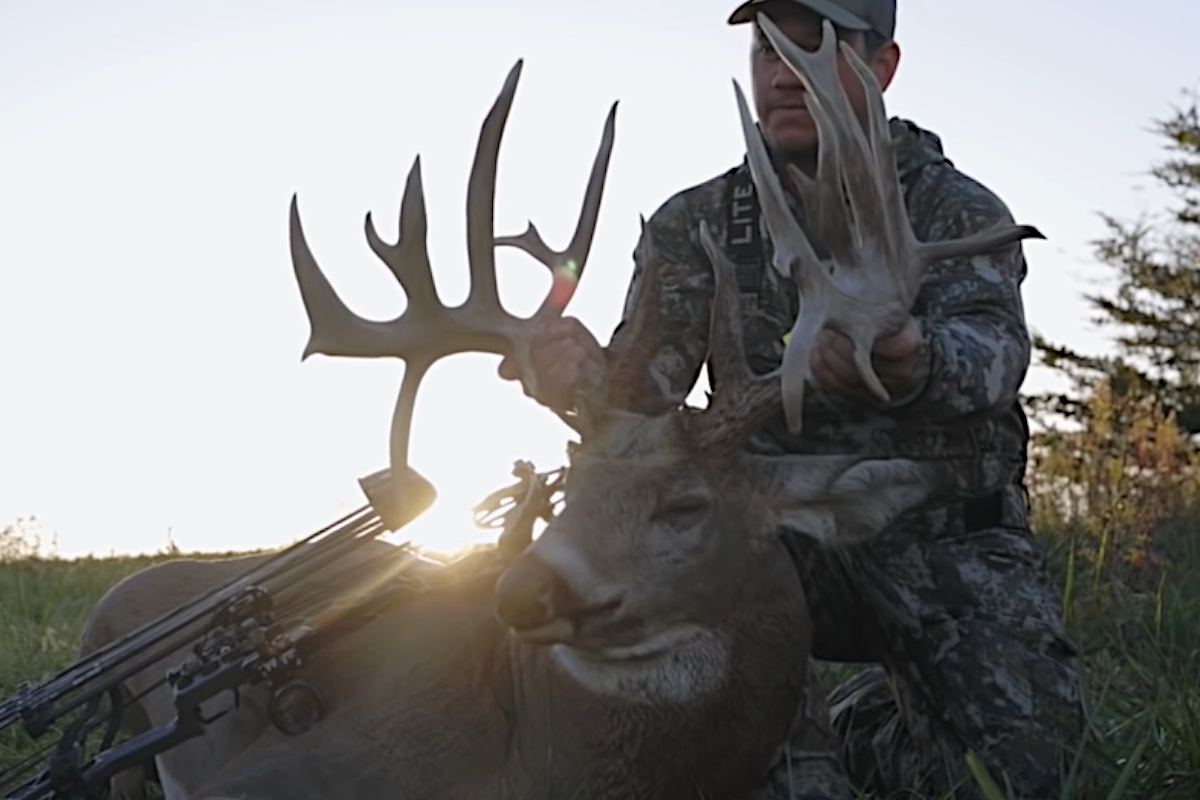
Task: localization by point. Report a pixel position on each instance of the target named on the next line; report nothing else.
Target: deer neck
(703, 722)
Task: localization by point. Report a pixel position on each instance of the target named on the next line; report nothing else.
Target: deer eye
(682, 510)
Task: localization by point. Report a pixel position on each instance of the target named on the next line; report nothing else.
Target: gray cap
(851, 15)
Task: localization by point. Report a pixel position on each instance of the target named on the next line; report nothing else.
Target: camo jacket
(963, 404)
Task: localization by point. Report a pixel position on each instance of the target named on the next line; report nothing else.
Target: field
(1141, 649)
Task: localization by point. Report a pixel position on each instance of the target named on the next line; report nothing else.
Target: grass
(1141, 654)
(43, 606)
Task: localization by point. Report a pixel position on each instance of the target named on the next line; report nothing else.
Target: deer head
(664, 574)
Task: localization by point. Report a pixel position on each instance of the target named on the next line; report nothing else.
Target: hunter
(953, 604)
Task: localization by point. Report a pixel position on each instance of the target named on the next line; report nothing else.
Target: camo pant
(965, 626)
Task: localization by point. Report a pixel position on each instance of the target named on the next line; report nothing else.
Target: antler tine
(566, 267)
(983, 242)
(881, 180)
(333, 329)
(622, 383)
(408, 259)
(790, 242)
(794, 256)
(726, 346)
(836, 129)
(481, 201)
(740, 399)
(483, 304)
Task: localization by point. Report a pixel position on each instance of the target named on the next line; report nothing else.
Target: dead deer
(652, 642)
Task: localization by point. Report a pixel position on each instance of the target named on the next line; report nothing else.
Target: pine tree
(1155, 309)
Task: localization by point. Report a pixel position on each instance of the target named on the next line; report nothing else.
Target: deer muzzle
(541, 607)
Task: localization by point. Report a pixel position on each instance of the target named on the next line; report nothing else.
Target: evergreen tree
(1155, 309)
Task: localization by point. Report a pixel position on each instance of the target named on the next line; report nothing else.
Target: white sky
(150, 327)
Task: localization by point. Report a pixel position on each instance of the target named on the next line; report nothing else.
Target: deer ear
(839, 500)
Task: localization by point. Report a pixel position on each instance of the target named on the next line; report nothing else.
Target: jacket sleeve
(976, 345)
(661, 343)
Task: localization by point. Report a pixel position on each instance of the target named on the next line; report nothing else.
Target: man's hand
(558, 359)
(896, 359)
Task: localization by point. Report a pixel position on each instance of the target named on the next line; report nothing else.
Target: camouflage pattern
(960, 614)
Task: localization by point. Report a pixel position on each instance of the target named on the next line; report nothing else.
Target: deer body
(438, 697)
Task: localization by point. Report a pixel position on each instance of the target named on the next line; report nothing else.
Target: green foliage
(1155, 308)
(1106, 484)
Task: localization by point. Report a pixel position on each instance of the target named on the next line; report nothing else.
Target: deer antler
(740, 399)
(856, 206)
(428, 330)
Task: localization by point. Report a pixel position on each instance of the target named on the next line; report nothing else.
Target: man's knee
(925, 745)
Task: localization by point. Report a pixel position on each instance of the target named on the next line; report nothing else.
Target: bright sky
(150, 327)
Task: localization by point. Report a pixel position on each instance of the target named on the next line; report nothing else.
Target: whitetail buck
(653, 641)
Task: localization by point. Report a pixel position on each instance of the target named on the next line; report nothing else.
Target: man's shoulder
(684, 210)
(941, 198)
(673, 230)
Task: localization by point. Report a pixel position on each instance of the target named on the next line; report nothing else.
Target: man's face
(779, 96)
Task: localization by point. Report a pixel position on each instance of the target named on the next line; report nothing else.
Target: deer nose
(529, 595)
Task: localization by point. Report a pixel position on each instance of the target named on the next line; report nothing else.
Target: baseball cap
(851, 15)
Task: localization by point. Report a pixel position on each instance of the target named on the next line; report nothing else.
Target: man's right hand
(559, 359)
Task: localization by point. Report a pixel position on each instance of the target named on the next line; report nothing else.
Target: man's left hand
(896, 359)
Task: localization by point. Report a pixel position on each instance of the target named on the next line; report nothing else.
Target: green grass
(1141, 652)
(43, 605)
